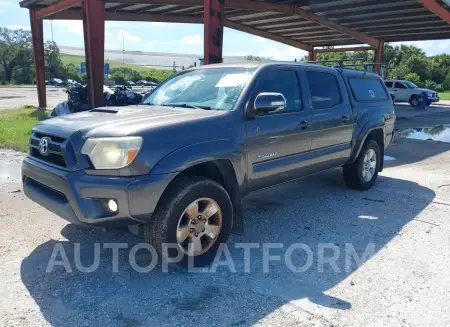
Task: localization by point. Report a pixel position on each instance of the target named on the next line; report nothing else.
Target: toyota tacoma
(179, 164)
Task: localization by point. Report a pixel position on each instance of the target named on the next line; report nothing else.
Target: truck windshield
(411, 85)
(212, 88)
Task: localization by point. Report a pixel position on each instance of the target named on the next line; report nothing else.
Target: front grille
(55, 154)
(55, 159)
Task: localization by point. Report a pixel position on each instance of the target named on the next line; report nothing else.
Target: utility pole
(123, 55)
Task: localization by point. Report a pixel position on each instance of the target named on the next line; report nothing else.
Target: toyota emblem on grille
(43, 146)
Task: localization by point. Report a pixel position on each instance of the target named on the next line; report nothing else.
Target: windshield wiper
(186, 105)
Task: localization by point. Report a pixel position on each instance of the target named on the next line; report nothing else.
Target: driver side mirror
(268, 102)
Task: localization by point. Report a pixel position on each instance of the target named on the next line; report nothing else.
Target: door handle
(304, 124)
(345, 118)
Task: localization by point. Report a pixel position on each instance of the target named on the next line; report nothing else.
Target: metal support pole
(379, 57)
(37, 34)
(312, 55)
(94, 45)
(213, 24)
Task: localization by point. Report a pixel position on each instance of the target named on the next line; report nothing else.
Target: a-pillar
(37, 34)
(94, 45)
(379, 57)
(311, 55)
(213, 35)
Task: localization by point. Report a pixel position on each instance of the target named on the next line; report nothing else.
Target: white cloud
(109, 45)
(162, 42)
(191, 40)
(149, 44)
(18, 27)
(70, 26)
(128, 37)
(4, 3)
(258, 39)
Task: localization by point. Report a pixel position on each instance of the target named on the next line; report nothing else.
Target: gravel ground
(405, 282)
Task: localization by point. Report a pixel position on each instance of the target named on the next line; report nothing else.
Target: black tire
(163, 226)
(413, 101)
(353, 173)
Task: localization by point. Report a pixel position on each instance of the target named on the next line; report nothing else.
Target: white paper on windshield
(233, 80)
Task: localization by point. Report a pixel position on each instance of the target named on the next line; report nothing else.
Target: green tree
(70, 71)
(23, 73)
(123, 74)
(418, 65)
(413, 77)
(53, 63)
(446, 84)
(15, 50)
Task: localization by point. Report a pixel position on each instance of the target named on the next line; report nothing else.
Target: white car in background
(406, 91)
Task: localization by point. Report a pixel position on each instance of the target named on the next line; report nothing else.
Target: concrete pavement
(404, 282)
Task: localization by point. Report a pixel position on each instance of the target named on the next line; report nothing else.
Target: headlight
(430, 94)
(112, 152)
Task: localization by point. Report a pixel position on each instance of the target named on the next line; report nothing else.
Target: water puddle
(10, 166)
(437, 133)
(389, 158)
(9, 172)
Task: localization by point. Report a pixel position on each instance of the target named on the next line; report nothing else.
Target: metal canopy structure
(304, 24)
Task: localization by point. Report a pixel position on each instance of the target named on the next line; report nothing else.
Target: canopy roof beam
(56, 7)
(437, 9)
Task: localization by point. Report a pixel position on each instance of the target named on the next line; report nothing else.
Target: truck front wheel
(363, 173)
(414, 101)
(193, 218)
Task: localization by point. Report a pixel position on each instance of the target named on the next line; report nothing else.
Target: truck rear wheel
(363, 173)
(194, 216)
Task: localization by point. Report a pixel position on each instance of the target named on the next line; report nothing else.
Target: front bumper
(435, 99)
(79, 198)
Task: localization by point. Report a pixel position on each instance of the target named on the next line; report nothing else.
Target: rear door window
(389, 84)
(399, 85)
(365, 89)
(324, 89)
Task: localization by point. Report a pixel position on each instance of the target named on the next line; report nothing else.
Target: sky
(165, 37)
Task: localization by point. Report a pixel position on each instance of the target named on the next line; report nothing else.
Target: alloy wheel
(199, 226)
(369, 165)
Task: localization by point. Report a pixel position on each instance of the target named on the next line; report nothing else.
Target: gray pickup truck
(179, 164)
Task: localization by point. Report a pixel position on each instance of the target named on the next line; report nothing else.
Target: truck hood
(120, 121)
(424, 90)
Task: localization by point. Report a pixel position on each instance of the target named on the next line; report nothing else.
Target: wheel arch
(375, 133)
(222, 172)
(221, 161)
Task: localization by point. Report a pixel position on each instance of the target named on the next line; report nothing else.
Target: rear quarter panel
(369, 115)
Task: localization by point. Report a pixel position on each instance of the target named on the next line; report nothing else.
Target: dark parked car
(54, 82)
(180, 163)
(142, 83)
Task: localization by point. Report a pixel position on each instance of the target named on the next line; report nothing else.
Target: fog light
(112, 205)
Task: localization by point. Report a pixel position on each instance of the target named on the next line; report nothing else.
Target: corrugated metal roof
(387, 20)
